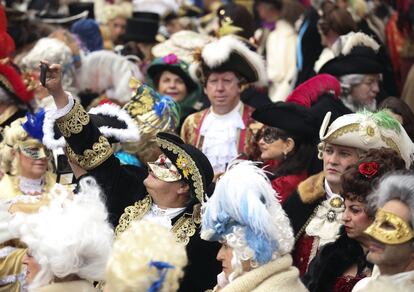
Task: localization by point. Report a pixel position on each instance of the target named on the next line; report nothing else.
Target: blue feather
(164, 103)
(162, 268)
(34, 124)
(127, 158)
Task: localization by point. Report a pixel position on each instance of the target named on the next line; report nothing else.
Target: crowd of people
(177, 145)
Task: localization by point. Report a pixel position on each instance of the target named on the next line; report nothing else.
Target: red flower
(368, 169)
(170, 59)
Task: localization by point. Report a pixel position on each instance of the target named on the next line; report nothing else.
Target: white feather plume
(352, 40)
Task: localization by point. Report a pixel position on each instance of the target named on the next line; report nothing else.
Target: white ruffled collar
(162, 216)
(220, 137)
(30, 186)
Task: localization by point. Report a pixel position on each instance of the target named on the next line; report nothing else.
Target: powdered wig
(12, 135)
(395, 186)
(129, 268)
(71, 236)
(244, 212)
(113, 11)
(54, 51)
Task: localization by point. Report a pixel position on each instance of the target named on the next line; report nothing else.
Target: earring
(284, 155)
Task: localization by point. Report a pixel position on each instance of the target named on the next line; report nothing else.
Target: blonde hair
(128, 269)
(112, 11)
(12, 135)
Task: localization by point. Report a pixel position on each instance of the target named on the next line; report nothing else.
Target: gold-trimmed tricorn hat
(368, 130)
(228, 54)
(192, 164)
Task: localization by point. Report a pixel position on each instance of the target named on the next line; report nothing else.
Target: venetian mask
(390, 229)
(164, 169)
(33, 149)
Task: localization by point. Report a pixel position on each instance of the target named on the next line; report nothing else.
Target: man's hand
(54, 84)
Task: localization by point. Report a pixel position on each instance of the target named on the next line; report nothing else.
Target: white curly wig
(70, 236)
(54, 51)
(128, 268)
(244, 212)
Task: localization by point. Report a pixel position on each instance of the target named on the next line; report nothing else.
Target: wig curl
(129, 268)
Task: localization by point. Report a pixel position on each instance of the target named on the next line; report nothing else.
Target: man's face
(117, 27)
(223, 90)
(363, 94)
(392, 255)
(335, 160)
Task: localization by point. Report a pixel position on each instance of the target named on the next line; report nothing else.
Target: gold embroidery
(182, 164)
(341, 131)
(390, 143)
(183, 229)
(91, 158)
(73, 122)
(133, 213)
(144, 102)
(195, 175)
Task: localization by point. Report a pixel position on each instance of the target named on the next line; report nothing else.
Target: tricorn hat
(12, 86)
(229, 54)
(292, 118)
(190, 162)
(79, 7)
(357, 54)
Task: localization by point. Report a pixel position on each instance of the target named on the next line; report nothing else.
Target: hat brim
(191, 163)
(289, 117)
(345, 65)
(155, 69)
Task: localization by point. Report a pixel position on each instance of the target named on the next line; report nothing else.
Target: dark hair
(240, 17)
(298, 159)
(277, 4)
(338, 20)
(357, 186)
(399, 107)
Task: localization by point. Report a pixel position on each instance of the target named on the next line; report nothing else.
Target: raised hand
(54, 84)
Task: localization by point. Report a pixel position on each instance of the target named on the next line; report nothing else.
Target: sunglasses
(271, 135)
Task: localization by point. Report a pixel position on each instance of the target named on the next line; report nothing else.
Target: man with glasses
(225, 130)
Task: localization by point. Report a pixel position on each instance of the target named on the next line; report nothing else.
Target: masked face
(391, 237)
(390, 229)
(164, 169)
(33, 149)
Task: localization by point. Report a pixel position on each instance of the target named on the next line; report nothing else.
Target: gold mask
(164, 169)
(389, 229)
(33, 149)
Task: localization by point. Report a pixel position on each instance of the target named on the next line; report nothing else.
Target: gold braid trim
(133, 213)
(183, 229)
(186, 226)
(73, 122)
(92, 158)
(390, 143)
(195, 172)
(341, 131)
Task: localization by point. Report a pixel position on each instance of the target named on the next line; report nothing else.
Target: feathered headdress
(308, 92)
(244, 205)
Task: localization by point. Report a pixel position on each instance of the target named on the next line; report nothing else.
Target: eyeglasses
(271, 135)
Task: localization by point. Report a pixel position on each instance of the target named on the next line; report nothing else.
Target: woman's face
(33, 160)
(171, 84)
(225, 255)
(365, 92)
(32, 267)
(273, 147)
(355, 218)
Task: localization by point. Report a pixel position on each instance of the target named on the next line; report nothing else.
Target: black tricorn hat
(142, 27)
(113, 122)
(191, 163)
(358, 56)
(296, 120)
(79, 7)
